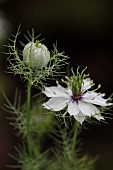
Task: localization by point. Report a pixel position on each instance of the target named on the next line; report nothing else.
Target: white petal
(56, 104)
(90, 95)
(102, 94)
(69, 91)
(46, 106)
(73, 108)
(80, 117)
(99, 117)
(87, 84)
(97, 101)
(94, 98)
(86, 108)
(94, 108)
(56, 91)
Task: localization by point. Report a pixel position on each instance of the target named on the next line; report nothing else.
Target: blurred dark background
(84, 30)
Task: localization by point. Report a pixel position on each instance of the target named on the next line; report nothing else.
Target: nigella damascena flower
(36, 55)
(79, 100)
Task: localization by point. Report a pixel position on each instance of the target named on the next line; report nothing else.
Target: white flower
(36, 55)
(80, 105)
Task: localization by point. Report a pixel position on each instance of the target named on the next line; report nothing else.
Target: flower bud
(36, 55)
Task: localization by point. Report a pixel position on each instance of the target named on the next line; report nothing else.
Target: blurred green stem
(74, 139)
(28, 105)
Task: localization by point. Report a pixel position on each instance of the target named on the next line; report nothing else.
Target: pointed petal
(87, 84)
(95, 98)
(87, 108)
(56, 104)
(97, 101)
(80, 117)
(46, 106)
(99, 117)
(73, 108)
(90, 95)
(94, 108)
(56, 91)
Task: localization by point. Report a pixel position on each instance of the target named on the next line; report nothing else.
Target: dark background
(84, 30)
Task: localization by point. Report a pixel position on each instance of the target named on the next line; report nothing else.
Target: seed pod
(36, 55)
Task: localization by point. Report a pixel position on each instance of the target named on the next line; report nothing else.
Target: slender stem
(28, 105)
(74, 139)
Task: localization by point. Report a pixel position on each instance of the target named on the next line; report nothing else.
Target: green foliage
(55, 157)
(40, 119)
(58, 156)
(17, 116)
(62, 151)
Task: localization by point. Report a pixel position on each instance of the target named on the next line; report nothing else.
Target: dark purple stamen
(76, 98)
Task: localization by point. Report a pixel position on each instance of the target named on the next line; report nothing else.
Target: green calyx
(76, 82)
(37, 43)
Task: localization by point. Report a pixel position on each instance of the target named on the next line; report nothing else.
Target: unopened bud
(36, 55)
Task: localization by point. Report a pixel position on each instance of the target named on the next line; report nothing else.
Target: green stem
(74, 139)
(28, 105)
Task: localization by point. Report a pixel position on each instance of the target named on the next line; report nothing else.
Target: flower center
(76, 98)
